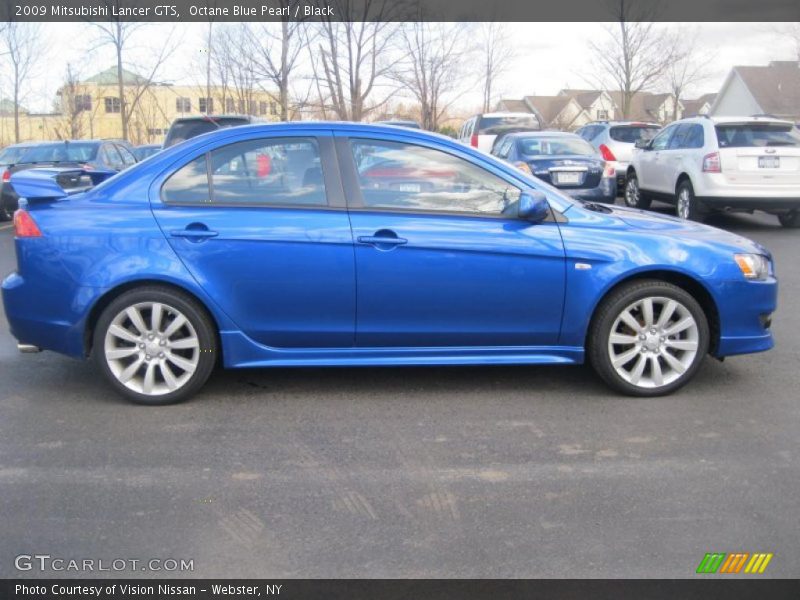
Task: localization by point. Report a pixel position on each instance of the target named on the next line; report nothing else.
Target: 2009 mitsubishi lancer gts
(334, 244)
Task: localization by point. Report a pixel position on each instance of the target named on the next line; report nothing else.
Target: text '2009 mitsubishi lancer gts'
(335, 244)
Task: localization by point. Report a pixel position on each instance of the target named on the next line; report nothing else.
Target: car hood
(657, 223)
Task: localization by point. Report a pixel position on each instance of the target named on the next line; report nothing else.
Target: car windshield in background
(632, 133)
(184, 130)
(11, 154)
(555, 147)
(743, 135)
(498, 125)
(60, 153)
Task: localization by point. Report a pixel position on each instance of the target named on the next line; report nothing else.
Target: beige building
(90, 109)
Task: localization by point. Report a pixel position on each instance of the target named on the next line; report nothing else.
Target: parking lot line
(9, 226)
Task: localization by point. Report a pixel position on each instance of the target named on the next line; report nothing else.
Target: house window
(183, 105)
(602, 115)
(262, 108)
(230, 105)
(206, 105)
(83, 102)
(152, 132)
(273, 108)
(112, 105)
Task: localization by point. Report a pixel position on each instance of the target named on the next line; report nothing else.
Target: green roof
(7, 107)
(109, 77)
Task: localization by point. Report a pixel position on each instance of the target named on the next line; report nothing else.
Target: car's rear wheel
(648, 338)
(6, 213)
(790, 219)
(633, 194)
(686, 204)
(155, 345)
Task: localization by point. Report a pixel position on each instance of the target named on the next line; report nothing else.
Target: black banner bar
(702, 588)
(400, 10)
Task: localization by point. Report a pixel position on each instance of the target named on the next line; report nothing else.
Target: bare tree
(118, 34)
(23, 48)
(689, 67)
(636, 52)
(431, 66)
(353, 56)
(276, 48)
(790, 32)
(495, 57)
(72, 103)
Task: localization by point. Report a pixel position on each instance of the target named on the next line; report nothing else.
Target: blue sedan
(564, 160)
(350, 245)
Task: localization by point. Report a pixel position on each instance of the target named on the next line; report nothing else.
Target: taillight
(6, 175)
(606, 153)
(711, 163)
(609, 171)
(24, 225)
(473, 141)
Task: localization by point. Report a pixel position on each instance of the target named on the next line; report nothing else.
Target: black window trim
(332, 186)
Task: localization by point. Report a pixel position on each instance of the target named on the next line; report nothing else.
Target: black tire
(197, 317)
(688, 208)
(5, 213)
(611, 307)
(790, 219)
(633, 195)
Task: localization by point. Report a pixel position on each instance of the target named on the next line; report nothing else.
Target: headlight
(754, 266)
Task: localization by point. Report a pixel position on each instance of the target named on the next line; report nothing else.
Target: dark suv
(186, 128)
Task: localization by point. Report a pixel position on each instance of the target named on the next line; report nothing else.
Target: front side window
(661, 141)
(275, 172)
(396, 176)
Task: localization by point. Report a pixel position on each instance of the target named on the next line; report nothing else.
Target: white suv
(726, 163)
(481, 130)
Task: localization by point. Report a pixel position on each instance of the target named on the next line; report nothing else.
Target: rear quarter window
(632, 133)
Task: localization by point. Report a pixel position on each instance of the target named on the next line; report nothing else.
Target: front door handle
(194, 233)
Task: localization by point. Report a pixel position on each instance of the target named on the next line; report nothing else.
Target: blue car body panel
(295, 286)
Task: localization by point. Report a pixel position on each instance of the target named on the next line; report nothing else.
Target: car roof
(750, 119)
(562, 134)
(506, 114)
(211, 118)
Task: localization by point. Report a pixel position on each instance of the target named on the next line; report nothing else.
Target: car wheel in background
(648, 338)
(790, 219)
(633, 195)
(5, 213)
(686, 204)
(155, 345)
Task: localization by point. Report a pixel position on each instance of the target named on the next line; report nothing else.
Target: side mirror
(642, 144)
(533, 206)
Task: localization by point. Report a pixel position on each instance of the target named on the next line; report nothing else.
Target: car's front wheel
(155, 345)
(790, 219)
(633, 194)
(648, 338)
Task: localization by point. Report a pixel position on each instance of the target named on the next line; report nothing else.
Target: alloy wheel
(632, 193)
(684, 203)
(653, 342)
(152, 348)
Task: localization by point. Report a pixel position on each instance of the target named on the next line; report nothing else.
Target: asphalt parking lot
(412, 472)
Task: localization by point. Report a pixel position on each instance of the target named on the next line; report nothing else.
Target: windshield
(555, 147)
(12, 154)
(632, 133)
(506, 124)
(743, 135)
(64, 152)
(184, 130)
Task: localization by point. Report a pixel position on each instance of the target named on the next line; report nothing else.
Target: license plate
(413, 188)
(568, 178)
(769, 162)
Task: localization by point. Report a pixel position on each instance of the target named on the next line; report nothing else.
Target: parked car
(103, 155)
(563, 160)
(401, 123)
(146, 150)
(724, 163)
(199, 256)
(185, 128)
(11, 154)
(481, 130)
(615, 141)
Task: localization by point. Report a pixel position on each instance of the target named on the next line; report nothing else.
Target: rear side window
(742, 135)
(276, 172)
(590, 132)
(184, 130)
(507, 124)
(632, 133)
(395, 176)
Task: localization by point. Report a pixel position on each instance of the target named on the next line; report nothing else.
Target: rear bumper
(751, 203)
(605, 192)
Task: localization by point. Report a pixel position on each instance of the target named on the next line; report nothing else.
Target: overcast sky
(549, 56)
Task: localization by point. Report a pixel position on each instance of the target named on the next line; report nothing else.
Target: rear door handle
(194, 234)
(381, 241)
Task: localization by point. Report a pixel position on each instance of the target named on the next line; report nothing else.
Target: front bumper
(745, 316)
